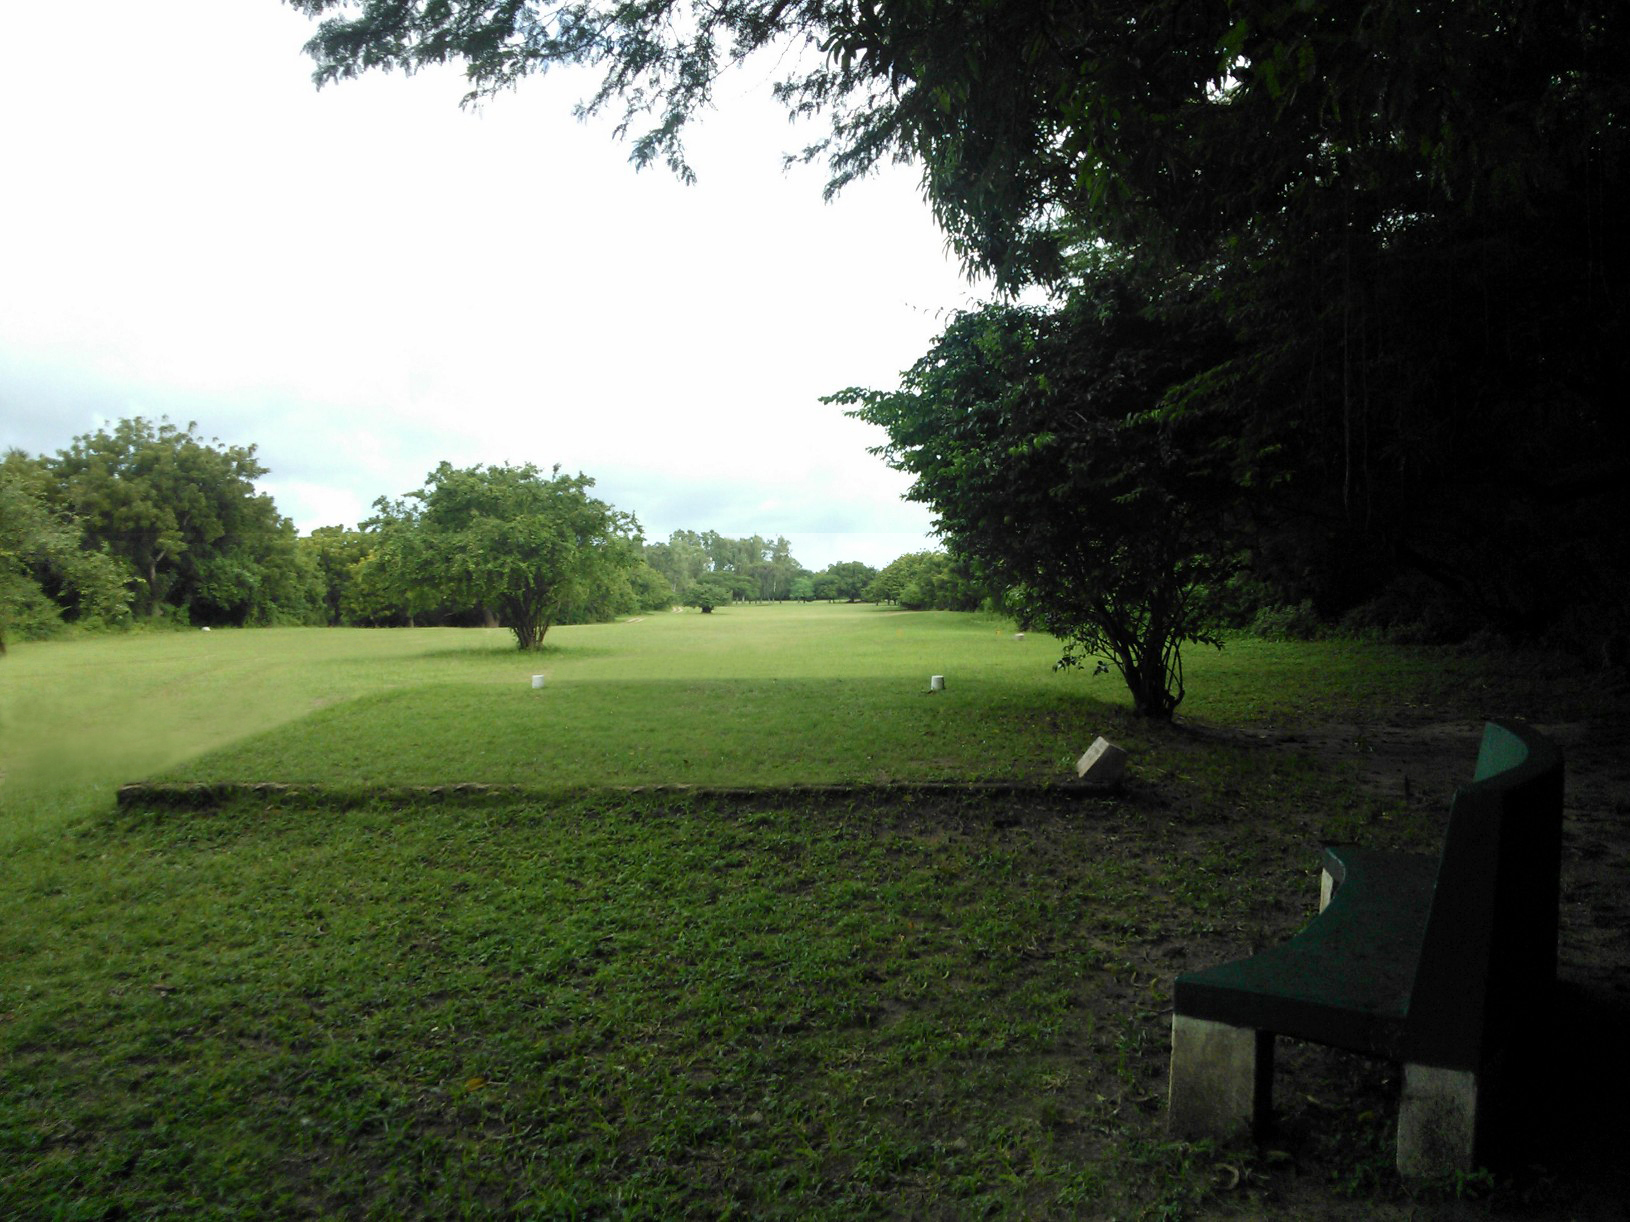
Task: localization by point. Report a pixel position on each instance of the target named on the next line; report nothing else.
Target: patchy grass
(629, 1008)
(703, 731)
(80, 717)
(764, 694)
(648, 1006)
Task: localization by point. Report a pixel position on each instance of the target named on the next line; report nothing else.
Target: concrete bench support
(1437, 1121)
(1221, 1078)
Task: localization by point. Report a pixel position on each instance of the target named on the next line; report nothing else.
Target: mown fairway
(611, 1004)
(752, 695)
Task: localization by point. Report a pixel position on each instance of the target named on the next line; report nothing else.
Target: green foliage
(531, 548)
(375, 594)
(682, 560)
(1402, 213)
(183, 516)
(1048, 446)
(754, 568)
(1298, 623)
(1167, 125)
(708, 593)
(650, 589)
(927, 581)
(337, 554)
(45, 568)
(845, 581)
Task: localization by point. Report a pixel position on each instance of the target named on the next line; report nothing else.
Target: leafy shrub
(1282, 623)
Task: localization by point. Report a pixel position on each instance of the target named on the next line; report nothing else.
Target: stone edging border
(198, 795)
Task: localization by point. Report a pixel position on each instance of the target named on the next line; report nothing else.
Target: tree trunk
(1147, 680)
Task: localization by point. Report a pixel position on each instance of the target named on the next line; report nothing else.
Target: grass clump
(614, 1004)
(636, 1008)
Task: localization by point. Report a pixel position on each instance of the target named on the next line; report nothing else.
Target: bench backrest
(1489, 956)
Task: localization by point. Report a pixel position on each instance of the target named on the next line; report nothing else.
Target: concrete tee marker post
(1103, 764)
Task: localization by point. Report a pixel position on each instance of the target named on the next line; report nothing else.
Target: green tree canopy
(845, 579)
(337, 553)
(926, 581)
(752, 568)
(682, 560)
(1141, 123)
(508, 538)
(1044, 443)
(45, 568)
(1401, 210)
(710, 592)
(184, 515)
(651, 590)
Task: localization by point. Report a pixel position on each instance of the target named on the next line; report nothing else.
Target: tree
(1401, 211)
(184, 515)
(682, 560)
(708, 593)
(336, 553)
(652, 591)
(846, 579)
(1045, 442)
(1160, 122)
(922, 581)
(751, 568)
(378, 594)
(45, 568)
(508, 538)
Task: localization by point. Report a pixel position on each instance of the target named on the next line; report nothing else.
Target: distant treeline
(152, 523)
(141, 522)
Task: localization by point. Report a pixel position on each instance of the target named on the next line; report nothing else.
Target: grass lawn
(608, 1004)
(753, 695)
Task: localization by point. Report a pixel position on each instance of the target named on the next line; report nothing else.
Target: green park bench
(1444, 965)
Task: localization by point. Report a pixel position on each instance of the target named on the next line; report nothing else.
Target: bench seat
(1345, 979)
(1442, 964)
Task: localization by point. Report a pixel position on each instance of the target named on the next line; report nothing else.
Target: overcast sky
(367, 280)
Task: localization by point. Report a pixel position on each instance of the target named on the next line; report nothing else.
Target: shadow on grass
(672, 731)
(508, 652)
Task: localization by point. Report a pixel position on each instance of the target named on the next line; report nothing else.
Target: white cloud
(368, 280)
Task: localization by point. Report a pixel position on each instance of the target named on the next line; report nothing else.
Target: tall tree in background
(508, 538)
(1046, 445)
(336, 553)
(1403, 211)
(184, 515)
(845, 579)
(45, 569)
(750, 568)
(928, 581)
(682, 560)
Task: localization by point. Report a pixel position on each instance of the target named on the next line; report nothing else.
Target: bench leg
(1437, 1121)
(1221, 1079)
